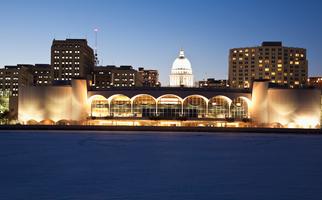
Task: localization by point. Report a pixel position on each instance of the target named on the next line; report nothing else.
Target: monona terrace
(264, 105)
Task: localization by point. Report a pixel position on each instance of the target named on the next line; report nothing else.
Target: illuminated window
(239, 108)
(194, 106)
(169, 106)
(218, 107)
(144, 106)
(99, 106)
(120, 106)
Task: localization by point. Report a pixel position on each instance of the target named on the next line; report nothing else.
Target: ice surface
(180, 166)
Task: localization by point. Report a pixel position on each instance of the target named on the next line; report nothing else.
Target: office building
(71, 58)
(212, 83)
(150, 78)
(112, 76)
(42, 74)
(287, 66)
(11, 79)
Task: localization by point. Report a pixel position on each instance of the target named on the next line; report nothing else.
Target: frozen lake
(131, 165)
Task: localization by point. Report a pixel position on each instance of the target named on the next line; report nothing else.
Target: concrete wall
(79, 100)
(260, 102)
(294, 107)
(288, 107)
(40, 103)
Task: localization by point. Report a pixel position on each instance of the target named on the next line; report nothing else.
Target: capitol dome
(181, 72)
(181, 65)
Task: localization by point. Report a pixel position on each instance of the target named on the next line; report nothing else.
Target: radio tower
(95, 48)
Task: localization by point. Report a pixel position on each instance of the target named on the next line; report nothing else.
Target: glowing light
(307, 122)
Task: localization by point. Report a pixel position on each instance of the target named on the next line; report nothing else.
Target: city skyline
(145, 34)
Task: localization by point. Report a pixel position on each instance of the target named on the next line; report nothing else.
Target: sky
(150, 33)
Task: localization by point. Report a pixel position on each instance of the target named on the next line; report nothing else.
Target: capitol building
(181, 72)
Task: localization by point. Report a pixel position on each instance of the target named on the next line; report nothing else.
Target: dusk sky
(150, 33)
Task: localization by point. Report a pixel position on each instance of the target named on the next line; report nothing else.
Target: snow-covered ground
(132, 165)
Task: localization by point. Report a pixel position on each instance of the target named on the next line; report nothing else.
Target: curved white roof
(181, 65)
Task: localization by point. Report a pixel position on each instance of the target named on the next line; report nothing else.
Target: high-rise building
(150, 78)
(11, 79)
(112, 76)
(71, 58)
(181, 72)
(285, 66)
(42, 74)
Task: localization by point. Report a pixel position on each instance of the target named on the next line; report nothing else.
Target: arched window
(120, 106)
(240, 108)
(99, 106)
(144, 105)
(169, 106)
(218, 107)
(195, 106)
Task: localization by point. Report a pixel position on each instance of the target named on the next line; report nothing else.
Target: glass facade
(219, 107)
(99, 107)
(120, 106)
(144, 106)
(195, 107)
(239, 108)
(170, 106)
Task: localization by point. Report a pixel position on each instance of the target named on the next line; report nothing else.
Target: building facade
(150, 78)
(285, 107)
(315, 81)
(71, 58)
(42, 74)
(212, 83)
(264, 106)
(12, 78)
(112, 76)
(181, 72)
(287, 66)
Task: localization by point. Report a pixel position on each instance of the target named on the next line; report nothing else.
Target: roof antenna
(95, 48)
